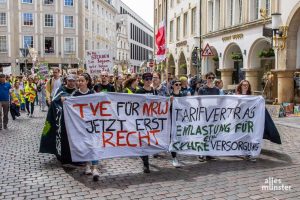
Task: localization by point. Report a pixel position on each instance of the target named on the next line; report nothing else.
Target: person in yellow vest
(130, 86)
(17, 99)
(30, 94)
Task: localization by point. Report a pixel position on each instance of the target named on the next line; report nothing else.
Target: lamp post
(279, 32)
(17, 65)
(25, 52)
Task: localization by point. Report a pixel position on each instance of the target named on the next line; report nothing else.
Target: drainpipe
(200, 38)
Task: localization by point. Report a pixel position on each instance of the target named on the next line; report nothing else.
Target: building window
(231, 12)
(178, 28)
(86, 24)
(49, 44)
(86, 4)
(2, 1)
(69, 45)
(27, 19)
(171, 3)
(49, 20)
(48, 2)
(28, 42)
(185, 24)
(3, 45)
(210, 18)
(68, 22)
(240, 7)
(86, 45)
(268, 7)
(159, 13)
(256, 9)
(26, 1)
(69, 3)
(3, 19)
(171, 31)
(193, 21)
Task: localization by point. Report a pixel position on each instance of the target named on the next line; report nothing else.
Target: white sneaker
(175, 163)
(88, 170)
(96, 175)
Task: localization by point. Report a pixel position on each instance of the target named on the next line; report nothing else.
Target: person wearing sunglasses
(104, 86)
(146, 89)
(176, 92)
(208, 89)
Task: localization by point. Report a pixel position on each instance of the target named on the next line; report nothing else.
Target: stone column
(252, 75)
(226, 76)
(285, 85)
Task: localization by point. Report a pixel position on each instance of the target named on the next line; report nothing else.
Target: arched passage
(171, 65)
(233, 59)
(292, 58)
(262, 59)
(182, 65)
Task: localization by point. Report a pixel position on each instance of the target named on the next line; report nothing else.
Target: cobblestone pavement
(26, 174)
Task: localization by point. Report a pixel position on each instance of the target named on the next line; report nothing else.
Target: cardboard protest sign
(98, 61)
(218, 125)
(108, 125)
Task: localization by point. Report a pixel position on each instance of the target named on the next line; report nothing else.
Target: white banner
(98, 61)
(108, 125)
(218, 125)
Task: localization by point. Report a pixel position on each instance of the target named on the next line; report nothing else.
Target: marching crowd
(19, 95)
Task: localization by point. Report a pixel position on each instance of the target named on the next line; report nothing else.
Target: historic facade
(237, 32)
(139, 37)
(183, 32)
(58, 31)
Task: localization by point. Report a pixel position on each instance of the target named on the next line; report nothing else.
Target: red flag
(160, 40)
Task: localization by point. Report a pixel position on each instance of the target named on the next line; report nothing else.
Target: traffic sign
(207, 51)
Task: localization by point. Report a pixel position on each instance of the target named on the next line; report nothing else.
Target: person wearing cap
(60, 95)
(5, 88)
(67, 89)
(146, 89)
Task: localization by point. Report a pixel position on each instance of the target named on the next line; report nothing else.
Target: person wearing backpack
(52, 85)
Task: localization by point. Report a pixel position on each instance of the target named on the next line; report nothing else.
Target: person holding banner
(208, 89)
(244, 88)
(84, 85)
(176, 92)
(104, 86)
(146, 89)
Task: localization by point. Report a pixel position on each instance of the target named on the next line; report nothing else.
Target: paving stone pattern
(26, 174)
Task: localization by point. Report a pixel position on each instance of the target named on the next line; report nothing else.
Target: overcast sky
(144, 8)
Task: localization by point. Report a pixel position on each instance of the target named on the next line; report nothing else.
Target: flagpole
(166, 31)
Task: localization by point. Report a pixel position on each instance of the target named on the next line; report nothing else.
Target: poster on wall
(98, 61)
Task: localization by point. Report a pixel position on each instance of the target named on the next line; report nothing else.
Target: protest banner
(108, 125)
(218, 125)
(98, 61)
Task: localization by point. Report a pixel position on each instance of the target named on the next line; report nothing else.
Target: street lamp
(279, 32)
(17, 65)
(25, 52)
